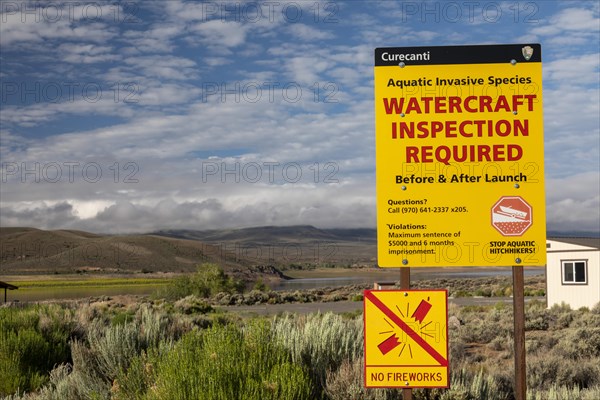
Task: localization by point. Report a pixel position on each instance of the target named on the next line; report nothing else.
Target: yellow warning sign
(458, 128)
(406, 338)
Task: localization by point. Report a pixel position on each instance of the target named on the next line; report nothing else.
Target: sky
(125, 117)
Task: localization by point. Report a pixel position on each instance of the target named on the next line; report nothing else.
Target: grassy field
(44, 288)
(87, 282)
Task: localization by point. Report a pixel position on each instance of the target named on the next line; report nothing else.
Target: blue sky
(133, 116)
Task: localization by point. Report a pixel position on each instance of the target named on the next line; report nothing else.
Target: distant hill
(286, 245)
(35, 251)
(274, 234)
(573, 234)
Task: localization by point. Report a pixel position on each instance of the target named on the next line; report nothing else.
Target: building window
(574, 272)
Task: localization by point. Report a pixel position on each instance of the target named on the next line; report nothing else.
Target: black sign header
(439, 55)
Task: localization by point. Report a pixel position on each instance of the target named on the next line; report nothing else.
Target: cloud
(571, 130)
(158, 39)
(93, 99)
(307, 69)
(40, 214)
(573, 202)
(217, 61)
(576, 70)
(217, 33)
(21, 28)
(308, 33)
(11, 143)
(163, 67)
(568, 30)
(86, 53)
(570, 20)
(332, 206)
(156, 93)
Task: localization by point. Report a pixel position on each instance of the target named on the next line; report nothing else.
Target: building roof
(580, 241)
(4, 285)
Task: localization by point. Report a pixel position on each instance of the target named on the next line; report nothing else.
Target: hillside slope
(286, 245)
(35, 251)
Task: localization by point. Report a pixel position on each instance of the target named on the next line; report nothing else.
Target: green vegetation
(228, 362)
(32, 341)
(185, 349)
(208, 280)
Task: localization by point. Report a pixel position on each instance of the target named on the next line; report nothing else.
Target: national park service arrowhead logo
(527, 52)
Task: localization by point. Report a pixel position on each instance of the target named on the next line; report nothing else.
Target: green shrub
(320, 342)
(537, 317)
(12, 378)
(580, 343)
(122, 317)
(208, 280)
(226, 362)
(114, 347)
(347, 382)
(32, 340)
(468, 385)
(133, 383)
(261, 286)
(193, 305)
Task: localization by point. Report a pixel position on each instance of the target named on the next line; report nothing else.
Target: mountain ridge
(273, 234)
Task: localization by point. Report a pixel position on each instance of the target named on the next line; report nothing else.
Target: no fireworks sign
(460, 156)
(406, 338)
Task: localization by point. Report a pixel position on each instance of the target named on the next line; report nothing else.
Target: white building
(573, 271)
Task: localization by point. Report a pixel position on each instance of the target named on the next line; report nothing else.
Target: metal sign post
(519, 332)
(405, 284)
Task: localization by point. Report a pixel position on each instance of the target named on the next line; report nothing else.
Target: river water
(315, 283)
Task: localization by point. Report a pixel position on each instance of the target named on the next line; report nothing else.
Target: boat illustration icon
(511, 212)
(512, 216)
